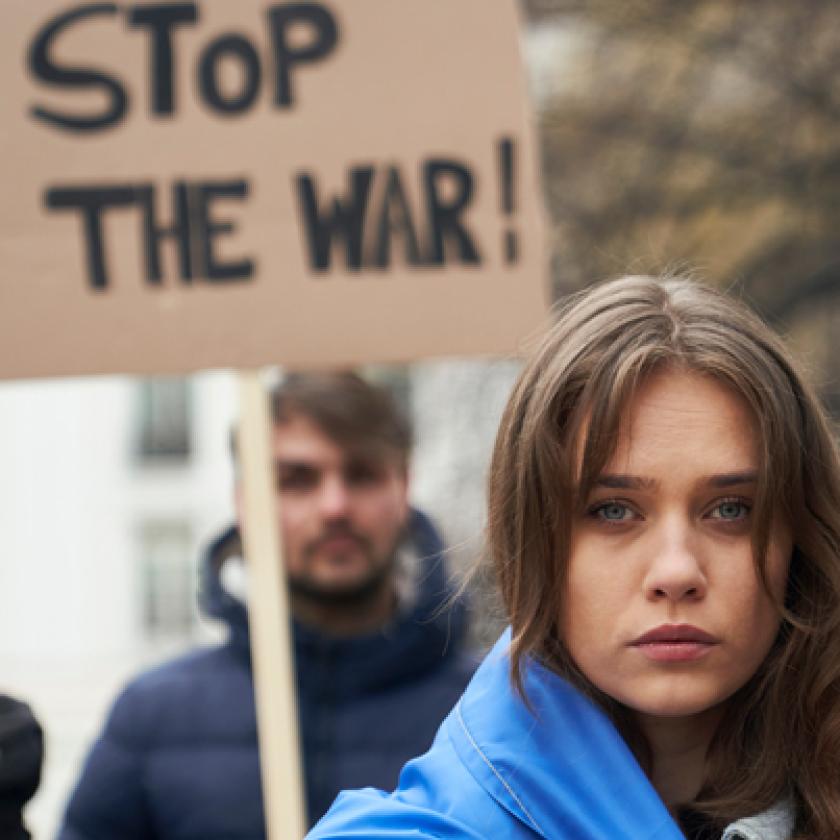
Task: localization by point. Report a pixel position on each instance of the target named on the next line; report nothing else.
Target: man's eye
(297, 480)
(730, 510)
(360, 474)
(613, 512)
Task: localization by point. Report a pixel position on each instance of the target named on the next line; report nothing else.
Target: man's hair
(781, 731)
(349, 410)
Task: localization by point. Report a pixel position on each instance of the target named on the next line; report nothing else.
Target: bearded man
(378, 658)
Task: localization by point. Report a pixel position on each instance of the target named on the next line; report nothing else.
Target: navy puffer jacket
(178, 759)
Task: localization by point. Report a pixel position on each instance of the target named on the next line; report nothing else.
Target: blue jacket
(178, 760)
(496, 770)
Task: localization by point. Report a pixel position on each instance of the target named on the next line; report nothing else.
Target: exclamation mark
(507, 172)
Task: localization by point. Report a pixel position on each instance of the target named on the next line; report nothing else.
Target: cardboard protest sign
(201, 184)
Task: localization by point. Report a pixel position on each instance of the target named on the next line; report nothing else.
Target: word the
(193, 230)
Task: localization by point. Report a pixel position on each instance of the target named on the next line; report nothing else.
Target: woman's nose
(675, 571)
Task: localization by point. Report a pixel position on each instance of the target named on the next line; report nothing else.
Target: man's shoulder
(455, 670)
(182, 672)
(203, 690)
(426, 697)
(450, 679)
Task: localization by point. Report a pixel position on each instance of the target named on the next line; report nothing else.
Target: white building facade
(111, 488)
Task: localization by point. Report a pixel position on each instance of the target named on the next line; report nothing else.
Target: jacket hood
(561, 767)
(429, 628)
(500, 769)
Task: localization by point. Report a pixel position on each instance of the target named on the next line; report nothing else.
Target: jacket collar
(775, 823)
(429, 629)
(563, 770)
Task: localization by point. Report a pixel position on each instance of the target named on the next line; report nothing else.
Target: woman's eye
(730, 510)
(613, 512)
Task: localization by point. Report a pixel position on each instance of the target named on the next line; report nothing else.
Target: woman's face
(664, 611)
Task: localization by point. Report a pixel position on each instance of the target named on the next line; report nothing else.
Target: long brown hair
(781, 731)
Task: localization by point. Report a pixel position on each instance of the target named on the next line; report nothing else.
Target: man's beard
(355, 593)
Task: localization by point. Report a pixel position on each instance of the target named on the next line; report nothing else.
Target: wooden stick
(268, 619)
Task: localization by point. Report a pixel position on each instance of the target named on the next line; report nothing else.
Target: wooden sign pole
(268, 617)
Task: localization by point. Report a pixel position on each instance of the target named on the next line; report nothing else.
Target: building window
(165, 418)
(397, 380)
(168, 583)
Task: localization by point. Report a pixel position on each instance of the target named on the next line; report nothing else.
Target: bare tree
(704, 134)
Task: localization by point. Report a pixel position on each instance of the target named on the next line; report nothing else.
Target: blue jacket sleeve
(108, 801)
(501, 769)
(370, 815)
(436, 799)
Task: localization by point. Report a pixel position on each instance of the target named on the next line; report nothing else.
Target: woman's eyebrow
(733, 478)
(623, 481)
(626, 481)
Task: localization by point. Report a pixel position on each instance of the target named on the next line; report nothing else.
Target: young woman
(664, 523)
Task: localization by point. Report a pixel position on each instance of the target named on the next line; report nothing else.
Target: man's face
(341, 513)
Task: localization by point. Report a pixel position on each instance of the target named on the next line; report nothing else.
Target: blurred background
(697, 135)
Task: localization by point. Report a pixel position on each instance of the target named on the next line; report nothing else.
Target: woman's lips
(674, 651)
(675, 643)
